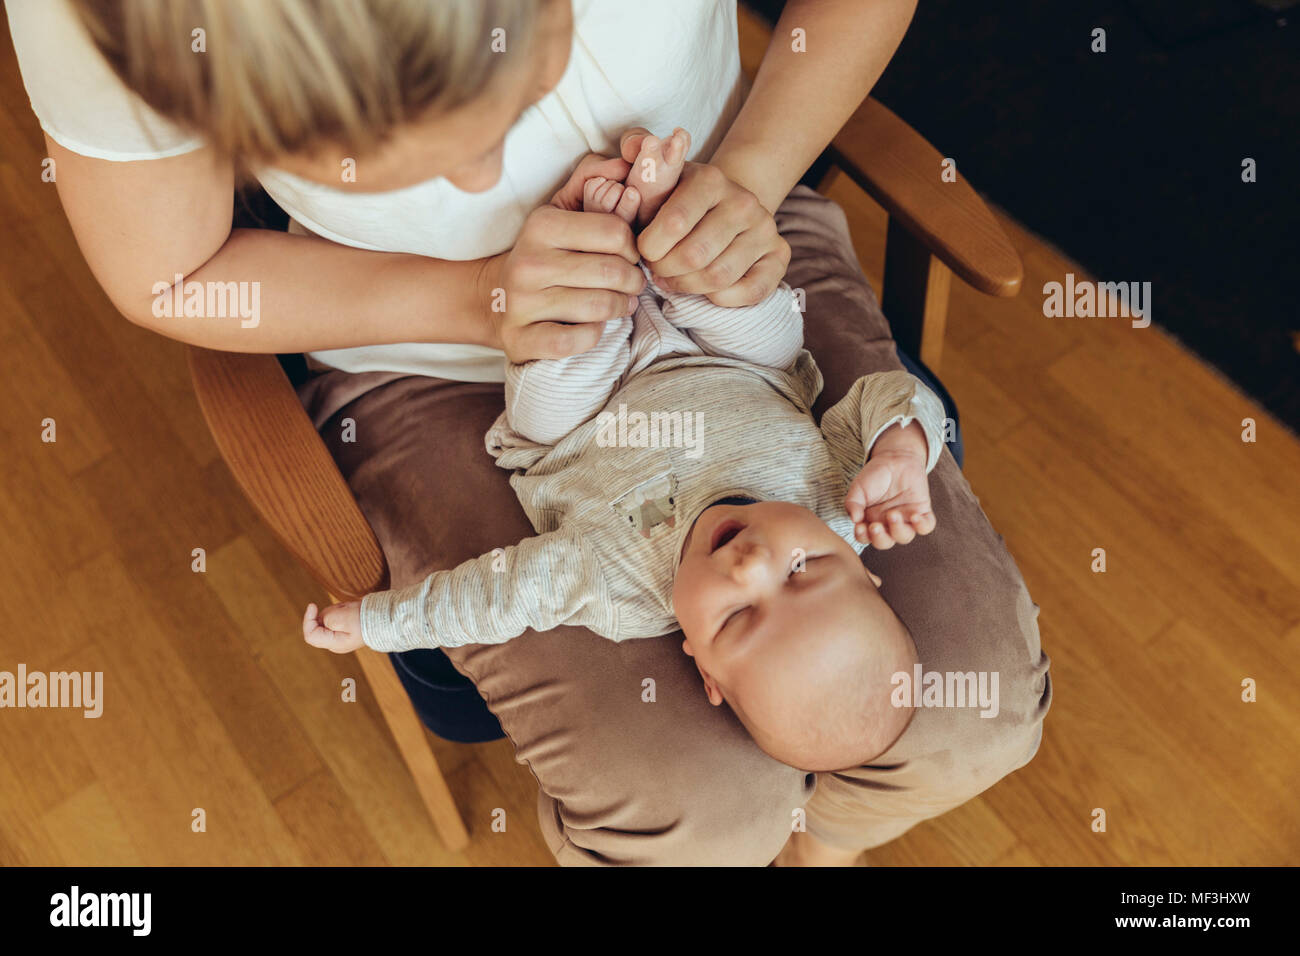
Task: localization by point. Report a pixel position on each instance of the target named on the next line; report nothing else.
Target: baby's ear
(711, 687)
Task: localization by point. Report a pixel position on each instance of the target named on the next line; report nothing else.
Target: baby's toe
(677, 146)
(589, 189)
(604, 197)
(650, 161)
(610, 196)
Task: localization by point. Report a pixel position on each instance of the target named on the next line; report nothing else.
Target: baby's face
(743, 604)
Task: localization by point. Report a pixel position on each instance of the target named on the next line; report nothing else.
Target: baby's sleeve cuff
(392, 621)
(924, 407)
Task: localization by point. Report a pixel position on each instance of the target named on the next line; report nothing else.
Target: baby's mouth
(724, 532)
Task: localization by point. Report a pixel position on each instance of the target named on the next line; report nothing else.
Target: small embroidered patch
(650, 504)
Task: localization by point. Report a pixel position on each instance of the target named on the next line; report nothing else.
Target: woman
(415, 146)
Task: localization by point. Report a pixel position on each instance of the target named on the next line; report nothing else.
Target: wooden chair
(279, 461)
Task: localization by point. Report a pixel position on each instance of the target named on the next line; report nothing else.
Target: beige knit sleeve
(874, 403)
(540, 583)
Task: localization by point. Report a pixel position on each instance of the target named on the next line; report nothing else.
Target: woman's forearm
(267, 291)
(141, 224)
(800, 100)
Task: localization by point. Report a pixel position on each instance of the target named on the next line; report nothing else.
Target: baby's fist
(337, 629)
(889, 499)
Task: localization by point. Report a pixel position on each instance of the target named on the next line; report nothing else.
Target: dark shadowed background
(1131, 160)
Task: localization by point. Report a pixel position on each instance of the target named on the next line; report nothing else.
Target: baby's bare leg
(548, 398)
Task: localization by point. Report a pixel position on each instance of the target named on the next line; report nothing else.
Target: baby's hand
(889, 500)
(337, 629)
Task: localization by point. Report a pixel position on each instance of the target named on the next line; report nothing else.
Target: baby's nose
(750, 559)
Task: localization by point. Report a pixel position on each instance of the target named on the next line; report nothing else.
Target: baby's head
(805, 658)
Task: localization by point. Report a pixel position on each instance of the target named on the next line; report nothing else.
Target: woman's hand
(712, 237)
(568, 273)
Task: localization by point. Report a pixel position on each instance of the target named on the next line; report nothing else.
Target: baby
(676, 478)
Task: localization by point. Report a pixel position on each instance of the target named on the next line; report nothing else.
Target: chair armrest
(285, 470)
(895, 165)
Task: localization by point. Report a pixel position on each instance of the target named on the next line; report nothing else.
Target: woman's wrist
(798, 102)
(751, 166)
(456, 298)
(483, 308)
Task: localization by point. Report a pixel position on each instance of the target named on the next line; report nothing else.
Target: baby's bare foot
(656, 170)
(605, 195)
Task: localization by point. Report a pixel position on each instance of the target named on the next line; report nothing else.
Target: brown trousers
(678, 781)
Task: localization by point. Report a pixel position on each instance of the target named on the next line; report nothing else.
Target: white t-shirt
(678, 67)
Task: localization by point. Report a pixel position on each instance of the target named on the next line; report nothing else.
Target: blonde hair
(284, 76)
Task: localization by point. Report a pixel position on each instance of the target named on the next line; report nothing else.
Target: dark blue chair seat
(446, 700)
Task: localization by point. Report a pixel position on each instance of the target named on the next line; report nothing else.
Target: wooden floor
(1080, 433)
